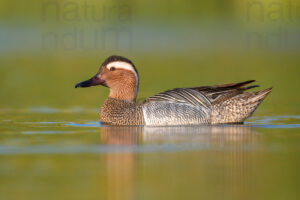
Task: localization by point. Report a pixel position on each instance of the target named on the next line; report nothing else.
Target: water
(45, 155)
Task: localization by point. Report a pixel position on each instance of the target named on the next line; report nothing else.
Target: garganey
(218, 104)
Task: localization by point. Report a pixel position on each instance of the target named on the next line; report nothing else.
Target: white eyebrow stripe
(121, 65)
(124, 65)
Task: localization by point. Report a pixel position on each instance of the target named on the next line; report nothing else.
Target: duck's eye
(112, 69)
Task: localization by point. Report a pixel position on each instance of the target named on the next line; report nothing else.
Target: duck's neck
(127, 92)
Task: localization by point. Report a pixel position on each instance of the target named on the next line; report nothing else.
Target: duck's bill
(91, 82)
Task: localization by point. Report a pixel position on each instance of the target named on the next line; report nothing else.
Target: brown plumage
(121, 112)
(227, 103)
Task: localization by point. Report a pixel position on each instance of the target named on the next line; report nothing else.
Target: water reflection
(235, 164)
(118, 135)
(200, 135)
(180, 135)
(120, 166)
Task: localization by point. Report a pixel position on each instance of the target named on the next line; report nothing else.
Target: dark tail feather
(250, 87)
(244, 83)
(235, 85)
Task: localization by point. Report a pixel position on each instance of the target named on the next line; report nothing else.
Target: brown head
(120, 75)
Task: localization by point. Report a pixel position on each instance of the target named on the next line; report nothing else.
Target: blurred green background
(48, 46)
(52, 147)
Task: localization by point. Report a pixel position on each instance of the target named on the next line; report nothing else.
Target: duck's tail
(238, 108)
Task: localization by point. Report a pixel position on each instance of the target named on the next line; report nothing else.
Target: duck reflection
(131, 135)
(200, 135)
(119, 165)
(120, 135)
(122, 166)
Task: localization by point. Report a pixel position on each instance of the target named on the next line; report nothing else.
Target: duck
(218, 104)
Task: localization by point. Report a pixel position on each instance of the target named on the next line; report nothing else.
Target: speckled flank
(121, 112)
(238, 108)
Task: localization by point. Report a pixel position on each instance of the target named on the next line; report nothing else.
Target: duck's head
(120, 75)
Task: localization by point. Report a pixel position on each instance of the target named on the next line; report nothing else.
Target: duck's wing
(182, 95)
(220, 93)
(202, 96)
